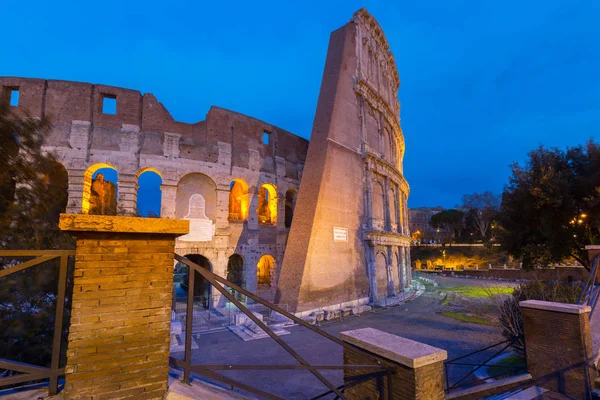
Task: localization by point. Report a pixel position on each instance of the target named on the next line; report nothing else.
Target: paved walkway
(418, 320)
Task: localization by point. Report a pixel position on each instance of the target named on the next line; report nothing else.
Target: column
(222, 211)
(402, 268)
(559, 346)
(386, 205)
(168, 201)
(253, 200)
(368, 199)
(408, 267)
(418, 369)
(75, 190)
(118, 344)
(127, 197)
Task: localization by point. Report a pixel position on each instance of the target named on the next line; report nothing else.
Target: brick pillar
(418, 368)
(118, 345)
(558, 343)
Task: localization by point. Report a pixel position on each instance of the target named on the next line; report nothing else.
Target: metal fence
(17, 372)
(374, 371)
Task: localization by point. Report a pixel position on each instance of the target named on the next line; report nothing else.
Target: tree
(551, 207)
(33, 185)
(451, 219)
(482, 208)
(33, 188)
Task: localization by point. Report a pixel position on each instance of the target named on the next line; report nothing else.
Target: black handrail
(590, 292)
(448, 363)
(209, 370)
(33, 372)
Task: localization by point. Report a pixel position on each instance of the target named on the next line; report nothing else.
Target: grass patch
(510, 361)
(478, 291)
(467, 318)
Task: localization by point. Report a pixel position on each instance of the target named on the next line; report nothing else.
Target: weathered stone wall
(352, 181)
(564, 274)
(143, 136)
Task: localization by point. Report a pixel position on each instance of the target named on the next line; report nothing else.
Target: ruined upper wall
(65, 101)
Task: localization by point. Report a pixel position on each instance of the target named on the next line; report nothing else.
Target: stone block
(346, 311)
(319, 315)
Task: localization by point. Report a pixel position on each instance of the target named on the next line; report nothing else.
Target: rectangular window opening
(13, 96)
(109, 104)
(265, 137)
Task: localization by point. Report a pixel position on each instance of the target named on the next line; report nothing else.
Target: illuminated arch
(238, 200)
(265, 269)
(149, 195)
(86, 201)
(267, 204)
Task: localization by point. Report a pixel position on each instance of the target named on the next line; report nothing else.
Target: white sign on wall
(340, 234)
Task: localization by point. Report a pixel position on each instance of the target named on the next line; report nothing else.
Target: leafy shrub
(511, 317)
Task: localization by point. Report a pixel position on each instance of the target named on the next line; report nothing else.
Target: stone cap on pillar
(556, 307)
(395, 348)
(119, 224)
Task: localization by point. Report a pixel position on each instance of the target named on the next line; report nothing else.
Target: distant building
(420, 228)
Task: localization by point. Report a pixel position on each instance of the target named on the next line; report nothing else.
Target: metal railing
(379, 370)
(29, 372)
(591, 291)
(476, 366)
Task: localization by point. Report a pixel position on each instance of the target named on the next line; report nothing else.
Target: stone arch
(265, 270)
(99, 194)
(238, 200)
(381, 274)
(192, 184)
(202, 288)
(149, 194)
(235, 273)
(290, 205)
(267, 204)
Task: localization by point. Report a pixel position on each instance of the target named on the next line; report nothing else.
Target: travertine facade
(204, 158)
(350, 238)
(236, 178)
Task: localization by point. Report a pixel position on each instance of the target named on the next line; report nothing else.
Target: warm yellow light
(87, 185)
(583, 215)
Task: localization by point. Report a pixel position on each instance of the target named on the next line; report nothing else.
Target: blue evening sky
(483, 82)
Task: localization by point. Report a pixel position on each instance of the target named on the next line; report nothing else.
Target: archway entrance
(202, 288)
(235, 273)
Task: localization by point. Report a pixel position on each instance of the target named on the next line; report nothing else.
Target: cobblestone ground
(418, 320)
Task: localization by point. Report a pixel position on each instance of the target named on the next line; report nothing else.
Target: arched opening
(100, 187)
(290, 205)
(57, 185)
(238, 200)
(267, 204)
(381, 275)
(265, 269)
(192, 184)
(149, 193)
(235, 273)
(202, 288)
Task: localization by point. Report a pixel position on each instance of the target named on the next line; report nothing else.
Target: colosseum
(309, 225)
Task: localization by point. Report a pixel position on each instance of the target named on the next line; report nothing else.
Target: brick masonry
(558, 344)
(118, 345)
(419, 376)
